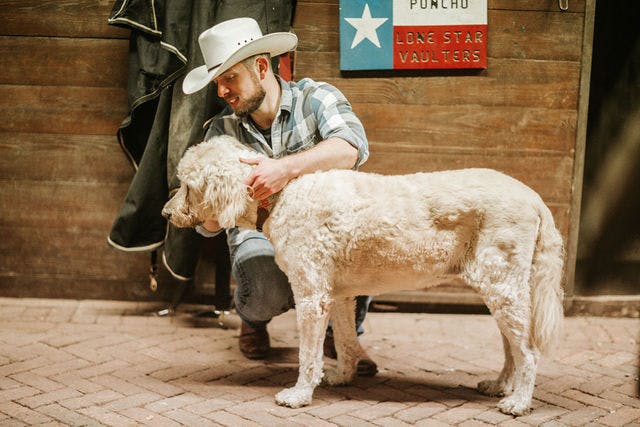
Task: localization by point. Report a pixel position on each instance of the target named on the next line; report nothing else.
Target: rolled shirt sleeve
(337, 119)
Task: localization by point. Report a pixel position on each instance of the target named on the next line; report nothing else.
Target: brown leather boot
(254, 343)
(366, 366)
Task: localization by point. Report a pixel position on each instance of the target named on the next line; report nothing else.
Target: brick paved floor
(113, 363)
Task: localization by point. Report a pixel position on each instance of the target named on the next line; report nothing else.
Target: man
(302, 128)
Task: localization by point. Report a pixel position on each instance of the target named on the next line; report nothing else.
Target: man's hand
(211, 225)
(269, 176)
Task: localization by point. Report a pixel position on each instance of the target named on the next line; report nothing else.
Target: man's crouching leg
(262, 292)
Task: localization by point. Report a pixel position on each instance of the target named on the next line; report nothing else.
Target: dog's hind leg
(517, 378)
(348, 348)
(312, 312)
(501, 273)
(525, 361)
(503, 385)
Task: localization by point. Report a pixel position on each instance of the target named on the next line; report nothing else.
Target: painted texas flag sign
(413, 34)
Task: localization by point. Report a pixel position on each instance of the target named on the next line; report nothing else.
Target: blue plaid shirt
(309, 112)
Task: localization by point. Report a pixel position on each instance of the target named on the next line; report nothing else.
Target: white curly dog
(343, 233)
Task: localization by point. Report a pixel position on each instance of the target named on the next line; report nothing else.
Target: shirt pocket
(295, 143)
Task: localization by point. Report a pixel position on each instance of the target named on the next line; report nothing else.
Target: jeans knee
(262, 289)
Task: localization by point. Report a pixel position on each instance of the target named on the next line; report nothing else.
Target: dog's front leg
(312, 313)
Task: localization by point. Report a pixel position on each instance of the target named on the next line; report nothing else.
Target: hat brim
(275, 44)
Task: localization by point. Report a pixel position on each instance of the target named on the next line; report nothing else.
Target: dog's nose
(167, 214)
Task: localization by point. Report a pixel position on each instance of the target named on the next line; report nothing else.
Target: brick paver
(114, 363)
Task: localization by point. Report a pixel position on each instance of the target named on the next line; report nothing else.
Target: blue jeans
(262, 289)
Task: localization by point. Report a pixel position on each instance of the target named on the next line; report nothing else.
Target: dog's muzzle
(166, 213)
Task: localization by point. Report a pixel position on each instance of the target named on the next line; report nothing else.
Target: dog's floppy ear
(226, 195)
(212, 171)
(190, 171)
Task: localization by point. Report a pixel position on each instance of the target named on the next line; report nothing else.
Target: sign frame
(413, 34)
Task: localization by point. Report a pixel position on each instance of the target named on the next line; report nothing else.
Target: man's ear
(262, 64)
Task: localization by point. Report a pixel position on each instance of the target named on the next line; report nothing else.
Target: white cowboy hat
(230, 42)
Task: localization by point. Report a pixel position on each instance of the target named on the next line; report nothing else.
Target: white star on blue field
(366, 27)
(366, 31)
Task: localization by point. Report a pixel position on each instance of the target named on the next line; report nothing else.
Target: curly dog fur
(343, 233)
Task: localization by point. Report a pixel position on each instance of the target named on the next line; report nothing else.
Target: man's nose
(222, 90)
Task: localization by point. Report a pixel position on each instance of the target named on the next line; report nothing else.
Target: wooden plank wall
(63, 176)
(519, 116)
(63, 94)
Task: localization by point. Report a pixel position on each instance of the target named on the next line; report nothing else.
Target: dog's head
(211, 185)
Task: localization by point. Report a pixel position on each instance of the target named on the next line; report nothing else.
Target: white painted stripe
(439, 12)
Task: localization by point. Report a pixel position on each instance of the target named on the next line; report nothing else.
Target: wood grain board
(63, 78)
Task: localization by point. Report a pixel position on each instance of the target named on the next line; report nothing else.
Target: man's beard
(253, 102)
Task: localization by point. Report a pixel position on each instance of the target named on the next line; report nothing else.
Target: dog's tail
(546, 286)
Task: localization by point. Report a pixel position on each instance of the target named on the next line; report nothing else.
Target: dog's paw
(334, 377)
(492, 388)
(513, 405)
(294, 397)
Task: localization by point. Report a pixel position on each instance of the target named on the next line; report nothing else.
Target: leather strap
(263, 214)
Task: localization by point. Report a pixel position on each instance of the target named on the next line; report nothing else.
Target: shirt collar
(286, 95)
